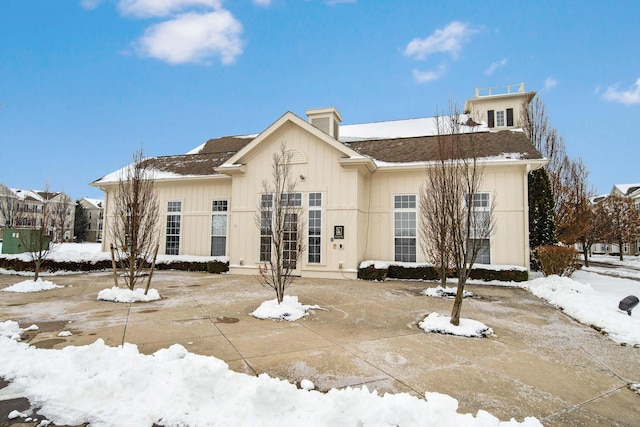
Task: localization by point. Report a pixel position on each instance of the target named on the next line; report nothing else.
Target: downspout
(527, 250)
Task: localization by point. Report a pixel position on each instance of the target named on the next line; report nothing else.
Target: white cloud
(631, 96)
(149, 8)
(550, 82)
(428, 76)
(447, 40)
(193, 37)
(495, 65)
(90, 4)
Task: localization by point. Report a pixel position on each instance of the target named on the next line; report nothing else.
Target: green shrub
(560, 260)
(422, 272)
(372, 273)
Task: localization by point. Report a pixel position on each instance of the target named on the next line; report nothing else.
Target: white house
(358, 186)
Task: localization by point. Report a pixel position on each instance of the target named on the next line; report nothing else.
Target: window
(219, 227)
(500, 118)
(404, 227)
(266, 208)
(480, 223)
(315, 227)
(172, 245)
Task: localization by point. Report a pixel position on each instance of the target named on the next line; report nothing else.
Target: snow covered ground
(97, 384)
(110, 386)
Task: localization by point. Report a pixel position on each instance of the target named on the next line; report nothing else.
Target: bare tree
(8, 207)
(61, 206)
(36, 221)
(618, 220)
(574, 216)
(281, 223)
(133, 227)
(453, 199)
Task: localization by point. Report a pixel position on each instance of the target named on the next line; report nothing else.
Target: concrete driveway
(540, 363)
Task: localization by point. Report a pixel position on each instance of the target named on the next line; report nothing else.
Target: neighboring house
(95, 214)
(358, 186)
(25, 209)
(631, 191)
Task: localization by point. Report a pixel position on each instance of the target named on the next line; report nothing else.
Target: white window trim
(173, 213)
(322, 222)
(226, 236)
(393, 221)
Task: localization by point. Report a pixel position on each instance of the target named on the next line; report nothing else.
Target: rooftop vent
(326, 119)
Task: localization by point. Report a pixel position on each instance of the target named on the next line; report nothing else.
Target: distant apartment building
(95, 214)
(31, 209)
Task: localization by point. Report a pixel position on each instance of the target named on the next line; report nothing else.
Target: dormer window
(500, 118)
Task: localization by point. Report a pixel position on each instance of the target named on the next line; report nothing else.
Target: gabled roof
(626, 189)
(362, 143)
(93, 203)
(286, 118)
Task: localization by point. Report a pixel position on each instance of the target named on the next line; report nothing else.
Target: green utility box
(19, 240)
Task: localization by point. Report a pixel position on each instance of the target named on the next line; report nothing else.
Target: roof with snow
(95, 203)
(398, 141)
(627, 189)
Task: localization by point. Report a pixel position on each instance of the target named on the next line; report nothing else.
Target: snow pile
(65, 334)
(448, 292)
(32, 286)
(596, 308)
(103, 385)
(126, 295)
(290, 309)
(12, 330)
(440, 324)
(635, 387)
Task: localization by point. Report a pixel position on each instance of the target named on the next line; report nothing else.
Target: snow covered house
(358, 185)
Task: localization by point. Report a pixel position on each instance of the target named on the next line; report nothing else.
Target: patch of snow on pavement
(109, 386)
(32, 286)
(448, 292)
(290, 309)
(440, 324)
(126, 295)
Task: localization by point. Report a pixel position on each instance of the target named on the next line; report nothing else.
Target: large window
(219, 214)
(404, 227)
(172, 244)
(315, 227)
(480, 224)
(290, 227)
(266, 209)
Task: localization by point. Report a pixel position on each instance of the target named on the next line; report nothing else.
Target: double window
(289, 203)
(172, 244)
(219, 217)
(404, 227)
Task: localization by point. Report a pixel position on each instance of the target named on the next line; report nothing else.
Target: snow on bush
(290, 309)
(32, 286)
(448, 292)
(440, 324)
(103, 385)
(126, 295)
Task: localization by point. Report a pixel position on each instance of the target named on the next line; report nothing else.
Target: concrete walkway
(541, 362)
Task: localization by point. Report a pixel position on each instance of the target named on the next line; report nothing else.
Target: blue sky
(84, 82)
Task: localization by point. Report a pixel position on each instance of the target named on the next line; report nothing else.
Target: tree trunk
(457, 306)
(585, 254)
(620, 243)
